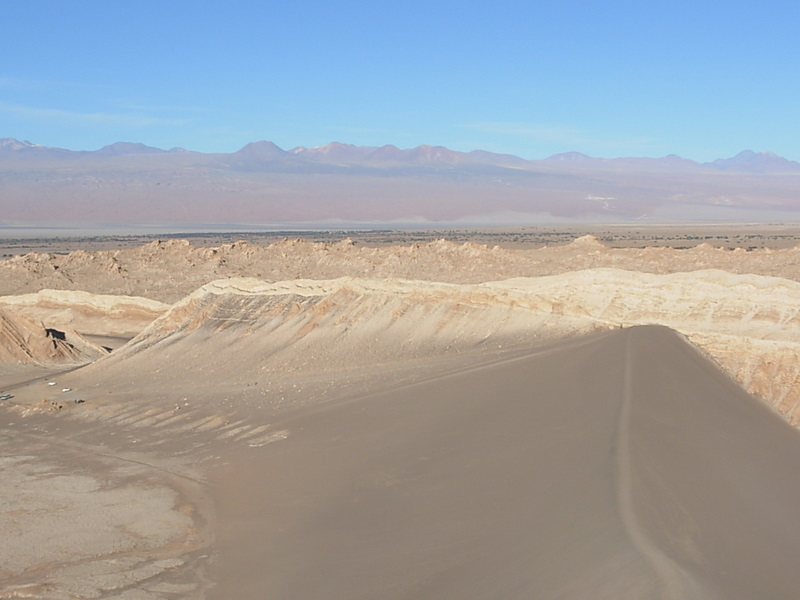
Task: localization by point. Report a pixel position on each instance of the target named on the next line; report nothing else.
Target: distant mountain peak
(758, 162)
(13, 145)
(421, 154)
(436, 153)
(120, 148)
(564, 156)
(13, 148)
(262, 150)
(335, 151)
(336, 146)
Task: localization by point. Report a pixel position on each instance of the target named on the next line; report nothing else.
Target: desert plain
(596, 412)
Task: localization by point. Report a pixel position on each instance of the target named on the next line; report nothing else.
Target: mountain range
(263, 184)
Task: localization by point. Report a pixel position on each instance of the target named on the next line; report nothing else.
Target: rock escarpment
(168, 271)
(88, 313)
(297, 307)
(23, 340)
(234, 331)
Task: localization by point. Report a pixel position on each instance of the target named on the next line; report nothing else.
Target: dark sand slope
(622, 466)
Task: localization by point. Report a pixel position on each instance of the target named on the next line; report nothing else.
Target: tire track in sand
(674, 582)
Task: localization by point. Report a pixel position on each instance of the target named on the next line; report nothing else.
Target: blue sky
(702, 79)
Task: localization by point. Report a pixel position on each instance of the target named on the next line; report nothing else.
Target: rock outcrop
(234, 331)
(168, 271)
(23, 340)
(88, 313)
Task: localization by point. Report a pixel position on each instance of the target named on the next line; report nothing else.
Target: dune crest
(748, 323)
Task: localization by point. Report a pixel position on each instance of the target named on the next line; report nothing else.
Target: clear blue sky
(702, 79)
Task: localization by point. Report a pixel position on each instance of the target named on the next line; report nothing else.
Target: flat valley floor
(641, 235)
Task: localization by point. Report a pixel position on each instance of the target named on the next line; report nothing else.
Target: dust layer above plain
(622, 465)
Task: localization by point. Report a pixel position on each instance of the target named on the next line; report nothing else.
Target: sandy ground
(603, 468)
(84, 514)
(621, 465)
(618, 466)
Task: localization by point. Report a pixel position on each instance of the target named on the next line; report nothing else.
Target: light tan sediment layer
(169, 270)
(258, 336)
(93, 314)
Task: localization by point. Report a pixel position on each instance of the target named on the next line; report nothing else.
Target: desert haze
(434, 420)
(136, 185)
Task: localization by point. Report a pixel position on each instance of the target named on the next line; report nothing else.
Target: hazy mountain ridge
(747, 160)
(25, 149)
(262, 183)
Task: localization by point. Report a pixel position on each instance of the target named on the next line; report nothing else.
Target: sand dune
(617, 465)
(491, 432)
(623, 465)
(243, 332)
